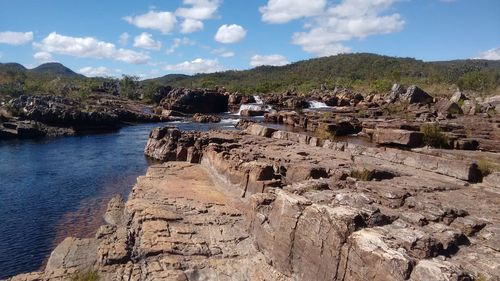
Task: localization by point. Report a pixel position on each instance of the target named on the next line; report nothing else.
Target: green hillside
(359, 71)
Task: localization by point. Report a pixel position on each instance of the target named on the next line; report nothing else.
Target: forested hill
(366, 71)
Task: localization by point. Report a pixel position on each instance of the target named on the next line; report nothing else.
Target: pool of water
(57, 187)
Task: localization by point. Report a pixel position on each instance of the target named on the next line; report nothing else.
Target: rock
(249, 112)
(416, 95)
(259, 130)
(438, 270)
(493, 179)
(73, 253)
(196, 101)
(200, 118)
(458, 97)
(115, 212)
(448, 107)
(398, 137)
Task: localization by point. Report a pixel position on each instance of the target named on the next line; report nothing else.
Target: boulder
(201, 118)
(398, 137)
(416, 95)
(259, 130)
(250, 112)
(196, 101)
(448, 107)
(458, 97)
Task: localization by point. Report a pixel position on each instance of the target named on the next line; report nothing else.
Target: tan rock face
(277, 206)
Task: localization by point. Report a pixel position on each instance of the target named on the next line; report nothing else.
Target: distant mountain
(55, 69)
(48, 70)
(12, 66)
(362, 69)
(168, 79)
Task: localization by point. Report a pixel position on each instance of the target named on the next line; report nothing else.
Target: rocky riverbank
(265, 204)
(38, 116)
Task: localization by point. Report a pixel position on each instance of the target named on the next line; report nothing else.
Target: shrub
(433, 136)
(90, 275)
(363, 175)
(486, 167)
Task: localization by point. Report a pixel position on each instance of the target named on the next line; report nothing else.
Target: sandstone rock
(73, 253)
(200, 118)
(416, 95)
(259, 130)
(458, 97)
(398, 137)
(250, 112)
(195, 101)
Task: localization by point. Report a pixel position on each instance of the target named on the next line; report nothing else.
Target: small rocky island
(395, 186)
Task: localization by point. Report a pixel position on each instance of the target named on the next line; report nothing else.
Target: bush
(90, 275)
(363, 175)
(433, 136)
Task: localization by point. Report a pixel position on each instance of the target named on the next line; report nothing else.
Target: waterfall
(317, 104)
(258, 100)
(253, 106)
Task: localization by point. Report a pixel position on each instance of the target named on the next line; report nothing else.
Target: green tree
(128, 87)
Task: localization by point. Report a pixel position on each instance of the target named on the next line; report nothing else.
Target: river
(57, 187)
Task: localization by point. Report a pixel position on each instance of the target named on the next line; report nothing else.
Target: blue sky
(154, 38)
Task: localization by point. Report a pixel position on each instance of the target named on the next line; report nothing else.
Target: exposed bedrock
(195, 101)
(265, 204)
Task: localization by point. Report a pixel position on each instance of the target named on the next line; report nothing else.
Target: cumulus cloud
(491, 54)
(161, 21)
(145, 40)
(228, 34)
(196, 13)
(179, 42)
(222, 52)
(347, 20)
(282, 11)
(88, 47)
(15, 38)
(195, 66)
(199, 10)
(275, 60)
(191, 25)
(43, 57)
(124, 38)
(100, 71)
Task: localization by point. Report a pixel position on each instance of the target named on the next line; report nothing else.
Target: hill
(360, 71)
(54, 69)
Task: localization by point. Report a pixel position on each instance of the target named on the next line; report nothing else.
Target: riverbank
(279, 205)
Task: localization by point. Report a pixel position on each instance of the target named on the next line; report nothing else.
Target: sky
(154, 38)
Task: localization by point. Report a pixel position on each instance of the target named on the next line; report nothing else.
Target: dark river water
(57, 187)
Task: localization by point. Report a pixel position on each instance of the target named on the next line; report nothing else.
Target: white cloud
(228, 34)
(145, 40)
(282, 11)
(222, 52)
(195, 66)
(199, 10)
(43, 57)
(15, 38)
(124, 38)
(491, 54)
(88, 47)
(179, 42)
(161, 21)
(347, 20)
(100, 71)
(191, 25)
(275, 60)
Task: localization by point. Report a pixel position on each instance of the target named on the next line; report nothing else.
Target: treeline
(366, 72)
(55, 79)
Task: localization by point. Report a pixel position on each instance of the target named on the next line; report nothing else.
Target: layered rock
(195, 101)
(265, 204)
(39, 116)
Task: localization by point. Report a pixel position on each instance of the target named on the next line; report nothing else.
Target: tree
(128, 87)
